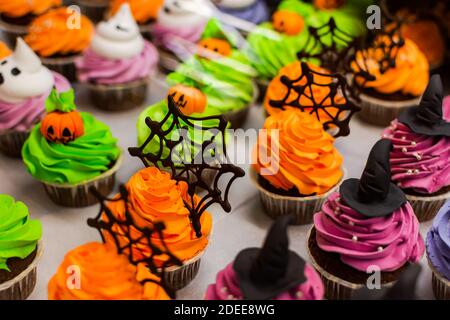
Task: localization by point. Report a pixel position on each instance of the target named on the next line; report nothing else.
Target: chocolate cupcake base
(79, 195)
(119, 97)
(304, 208)
(11, 143)
(332, 271)
(95, 10)
(22, 285)
(178, 278)
(440, 285)
(63, 65)
(426, 207)
(381, 112)
(11, 32)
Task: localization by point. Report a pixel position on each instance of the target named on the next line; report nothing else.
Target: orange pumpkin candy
(288, 22)
(328, 4)
(62, 127)
(188, 99)
(219, 46)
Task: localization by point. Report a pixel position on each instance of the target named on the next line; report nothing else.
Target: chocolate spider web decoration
(329, 45)
(107, 222)
(194, 169)
(338, 87)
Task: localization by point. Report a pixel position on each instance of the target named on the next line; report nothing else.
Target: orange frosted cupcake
(153, 196)
(95, 271)
(4, 50)
(59, 38)
(389, 80)
(295, 165)
(16, 15)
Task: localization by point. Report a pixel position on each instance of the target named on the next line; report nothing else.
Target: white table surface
(246, 226)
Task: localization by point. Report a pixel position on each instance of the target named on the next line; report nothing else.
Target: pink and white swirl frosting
(95, 68)
(24, 115)
(386, 242)
(419, 162)
(167, 36)
(227, 287)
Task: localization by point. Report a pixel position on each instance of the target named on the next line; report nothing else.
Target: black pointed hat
(427, 118)
(374, 195)
(403, 289)
(267, 272)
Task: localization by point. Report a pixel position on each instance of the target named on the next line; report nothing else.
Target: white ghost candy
(184, 13)
(234, 4)
(119, 37)
(22, 75)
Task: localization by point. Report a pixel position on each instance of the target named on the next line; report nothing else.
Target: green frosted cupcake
(20, 249)
(71, 152)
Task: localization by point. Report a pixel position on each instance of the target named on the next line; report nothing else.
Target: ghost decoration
(184, 13)
(234, 4)
(22, 75)
(119, 37)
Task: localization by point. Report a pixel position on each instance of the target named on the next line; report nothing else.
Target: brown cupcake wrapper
(304, 208)
(440, 285)
(426, 208)
(119, 97)
(379, 112)
(11, 143)
(20, 287)
(78, 196)
(11, 32)
(94, 10)
(64, 66)
(180, 277)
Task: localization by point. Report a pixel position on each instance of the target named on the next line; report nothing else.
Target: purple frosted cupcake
(117, 66)
(254, 11)
(420, 160)
(438, 253)
(25, 85)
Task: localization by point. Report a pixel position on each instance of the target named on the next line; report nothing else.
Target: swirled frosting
(52, 34)
(80, 160)
(256, 12)
(155, 197)
(438, 242)
(101, 274)
(143, 10)
(21, 8)
(24, 115)
(95, 68)
(301, 154)
(227, 287)
(418, 162)
(386, 242)
(410, 63)
(19, 234)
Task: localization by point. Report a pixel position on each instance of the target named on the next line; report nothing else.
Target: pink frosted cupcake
(117, 66)
(420, 160)
(272, 272)
(367, 227)
(25, 85)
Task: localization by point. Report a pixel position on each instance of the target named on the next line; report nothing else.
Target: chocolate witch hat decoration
(267, 272)
(427, 118)
(194, 166)
(337, 109)
(127, 236)
(403, 289)
(374, 195)
(329, 46)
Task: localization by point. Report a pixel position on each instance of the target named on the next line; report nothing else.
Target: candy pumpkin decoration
(62, 123)
(219, 46)
(188, 99)
(288, 22)
(328, 4)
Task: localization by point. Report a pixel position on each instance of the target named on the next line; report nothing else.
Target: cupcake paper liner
(440, 285)
(426, 207)
(335, 287)
(64, 66)
(380, 112)
(20, 287)
(11, 32)
(304, 208)
(119, 97)
(94, 10)
(78, 195)
(11, 143)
